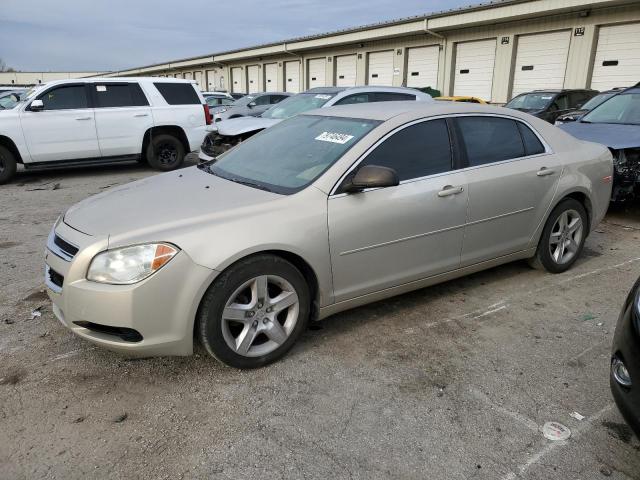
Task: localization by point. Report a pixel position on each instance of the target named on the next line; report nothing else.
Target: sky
(106, 35)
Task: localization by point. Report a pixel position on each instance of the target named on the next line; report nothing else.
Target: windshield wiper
(250, 184)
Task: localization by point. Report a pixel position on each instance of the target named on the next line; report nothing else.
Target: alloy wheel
(566, 237)
(260, 316)
(167, 154)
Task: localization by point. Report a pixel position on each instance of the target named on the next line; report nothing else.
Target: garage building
(494, 51)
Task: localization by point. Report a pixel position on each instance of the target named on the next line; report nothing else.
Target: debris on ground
(37, 296)
(120, 418)
(606, 471)
(55, 186)
(80, 419)
(9, 321)
(577, 416)
(587, 317)
(555, 431)
(36, 312)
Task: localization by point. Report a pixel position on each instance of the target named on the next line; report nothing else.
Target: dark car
(616, 124)
(252, 105)
(574, 115)
(625, 360)
(550, 104)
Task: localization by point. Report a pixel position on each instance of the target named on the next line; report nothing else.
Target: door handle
(544, 172)
(83, 118)
(141, 115)
(450, 190)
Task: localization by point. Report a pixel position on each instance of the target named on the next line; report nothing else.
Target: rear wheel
(254, 312)
(563, 237)
(165, 152)
(8, 165)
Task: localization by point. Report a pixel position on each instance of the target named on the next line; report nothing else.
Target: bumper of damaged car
(626, 176)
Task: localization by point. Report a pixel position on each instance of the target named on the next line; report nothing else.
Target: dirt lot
(450, 382)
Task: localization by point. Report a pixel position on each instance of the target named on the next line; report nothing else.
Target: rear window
(178, 93)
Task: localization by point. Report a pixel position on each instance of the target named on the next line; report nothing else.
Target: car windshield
(244, 101)
(9, 100)
(214, 101)
(597, 100)
(289, 156)
(531, 101)
(303, 102)
(622, 109)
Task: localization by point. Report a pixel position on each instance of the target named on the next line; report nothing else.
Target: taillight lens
(207, 114)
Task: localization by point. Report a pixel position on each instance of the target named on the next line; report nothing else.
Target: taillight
(207, 114)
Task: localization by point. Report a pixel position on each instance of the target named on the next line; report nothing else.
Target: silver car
(328, 210)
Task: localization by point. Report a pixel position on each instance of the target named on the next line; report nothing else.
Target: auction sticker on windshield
(323, 97)
(333, 137)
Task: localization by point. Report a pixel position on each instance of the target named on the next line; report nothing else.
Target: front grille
(65, 246)
(56, 278)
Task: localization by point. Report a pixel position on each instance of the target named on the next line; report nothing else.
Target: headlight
(124, 266)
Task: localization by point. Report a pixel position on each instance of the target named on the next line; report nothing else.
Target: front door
(512, 178)
(386, 237)
(65, 129)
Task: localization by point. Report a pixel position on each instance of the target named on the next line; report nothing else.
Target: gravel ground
(449, 382)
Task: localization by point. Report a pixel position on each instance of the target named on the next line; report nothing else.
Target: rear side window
(532, 144)
(65, 98)
(415, 151)
(391, 97)
(490, 139)
(178, 93)
(119, 95)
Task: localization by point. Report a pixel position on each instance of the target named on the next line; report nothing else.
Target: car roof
(384, 111)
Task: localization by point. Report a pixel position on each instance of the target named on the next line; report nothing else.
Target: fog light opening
(620, 372)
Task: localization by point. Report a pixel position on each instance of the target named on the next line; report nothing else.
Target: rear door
(65, 129)
(512, 178)
(385, 237)
(122, 115)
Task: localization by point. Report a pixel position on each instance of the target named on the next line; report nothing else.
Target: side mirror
(372, 176)
(36, 106)
(252, 104)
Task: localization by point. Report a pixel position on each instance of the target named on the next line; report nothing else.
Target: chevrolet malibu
(328, 210)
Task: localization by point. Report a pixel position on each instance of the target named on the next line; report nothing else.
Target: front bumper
(627, 348)
(152, 317)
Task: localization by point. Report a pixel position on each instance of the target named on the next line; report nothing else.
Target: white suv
(103, 120)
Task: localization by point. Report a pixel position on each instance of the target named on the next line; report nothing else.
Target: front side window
(392, 97)
(490, 139)
(416, 151)
(622, 109)
(303, 102)
(65, 98)
(291, 155)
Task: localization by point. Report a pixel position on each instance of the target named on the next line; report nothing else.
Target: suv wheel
(254, 312)
(165, 152)
(563, 237)
(8, 165)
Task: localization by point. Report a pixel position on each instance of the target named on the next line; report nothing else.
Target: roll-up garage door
(188, 75)
(211, 80)
(236, 80)
(617, 60)
(541, 61)
(197, 76)
(271, 77)
(380, 68)
(474, 68)
(253, 79)
(422, 67)
(316, 72)
(346, 68)
(292, 77)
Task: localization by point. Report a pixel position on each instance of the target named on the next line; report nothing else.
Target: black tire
(209, 323)
(8, 165)
(165, 152)
(543, 258)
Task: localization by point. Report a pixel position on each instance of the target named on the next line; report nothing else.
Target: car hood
(171, 201)
(238, 126)
(573, 113)
(610, 135)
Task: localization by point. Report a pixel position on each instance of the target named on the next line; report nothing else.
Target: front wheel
(165, 152)
(563, 237)
(254, 312)
(8, 165)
